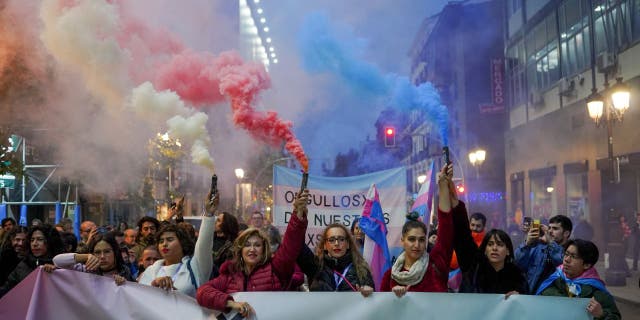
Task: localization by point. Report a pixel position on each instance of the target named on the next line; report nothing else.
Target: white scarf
(415, 273)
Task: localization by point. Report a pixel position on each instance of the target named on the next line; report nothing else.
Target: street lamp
(239, 173)
(476, 158)
(609, 111)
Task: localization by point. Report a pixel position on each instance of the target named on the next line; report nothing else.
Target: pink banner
(67, 294)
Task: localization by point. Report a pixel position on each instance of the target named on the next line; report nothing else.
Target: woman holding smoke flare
(415, 269)
(184, 265)
(253, 268)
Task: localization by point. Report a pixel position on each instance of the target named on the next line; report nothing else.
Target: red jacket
(437, 274)
(275, 275)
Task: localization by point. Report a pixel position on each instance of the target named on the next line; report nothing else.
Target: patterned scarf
(415, 273)
(574, 286)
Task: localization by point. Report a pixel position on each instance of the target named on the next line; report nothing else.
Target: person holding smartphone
(542, 251)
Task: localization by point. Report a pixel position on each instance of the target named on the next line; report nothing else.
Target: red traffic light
(389, 137)
(390, 131)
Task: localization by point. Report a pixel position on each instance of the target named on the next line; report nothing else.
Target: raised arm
(285, 258)
(202, 261)
(466, 249)
(443, 249)
(76, 261)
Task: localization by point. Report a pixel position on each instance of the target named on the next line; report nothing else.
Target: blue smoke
(325, 49)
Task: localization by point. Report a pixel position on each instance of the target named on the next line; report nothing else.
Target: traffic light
(389, 137)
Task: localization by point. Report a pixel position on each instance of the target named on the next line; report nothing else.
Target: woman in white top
(104, 259)
(184, 266)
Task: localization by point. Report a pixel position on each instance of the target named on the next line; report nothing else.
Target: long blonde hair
(362, 267)
(239, 243)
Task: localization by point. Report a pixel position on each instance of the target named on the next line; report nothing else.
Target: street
(628, 310)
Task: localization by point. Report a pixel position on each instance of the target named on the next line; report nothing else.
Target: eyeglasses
(573, 256)
(336, 239)
(98, 253)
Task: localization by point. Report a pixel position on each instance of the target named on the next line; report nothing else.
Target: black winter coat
(485, 279)
(24, 268)
(322, 278)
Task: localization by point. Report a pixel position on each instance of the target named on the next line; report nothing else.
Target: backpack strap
(191, 275)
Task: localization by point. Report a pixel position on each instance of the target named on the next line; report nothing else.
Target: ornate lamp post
(608, 111)
(476, 158)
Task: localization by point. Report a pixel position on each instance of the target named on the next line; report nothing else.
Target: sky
(94, 68)
(329, 116)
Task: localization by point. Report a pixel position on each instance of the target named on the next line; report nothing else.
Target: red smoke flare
(203, 79)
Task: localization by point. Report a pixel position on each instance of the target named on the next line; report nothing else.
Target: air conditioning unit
(536, 98)
(606, 62)
(567, 87)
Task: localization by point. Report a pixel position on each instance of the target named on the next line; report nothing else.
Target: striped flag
(376, 250)
(424, 201)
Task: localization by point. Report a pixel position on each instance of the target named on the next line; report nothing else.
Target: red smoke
(204, 79)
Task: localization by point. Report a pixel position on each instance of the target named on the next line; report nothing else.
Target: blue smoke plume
(326, 49)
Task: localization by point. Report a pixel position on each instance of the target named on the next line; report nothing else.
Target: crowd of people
(225, 256)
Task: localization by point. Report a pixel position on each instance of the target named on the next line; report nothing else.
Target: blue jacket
(531, 259)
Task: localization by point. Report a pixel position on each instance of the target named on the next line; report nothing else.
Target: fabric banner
(341, 200)
(67, 294)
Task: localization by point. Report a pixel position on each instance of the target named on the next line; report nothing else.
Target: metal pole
(24, 163)
(612, 169)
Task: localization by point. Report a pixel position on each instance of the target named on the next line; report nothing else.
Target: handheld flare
(445, 155)
(305, 179)
(214, 187)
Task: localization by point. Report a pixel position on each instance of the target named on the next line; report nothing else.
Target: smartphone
(102, 230)
(536, 225)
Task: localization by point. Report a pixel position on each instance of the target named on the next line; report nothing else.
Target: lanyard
(339, 277)
(173, 278)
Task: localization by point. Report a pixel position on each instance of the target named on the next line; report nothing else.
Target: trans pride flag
(424, 201)
(376, 250)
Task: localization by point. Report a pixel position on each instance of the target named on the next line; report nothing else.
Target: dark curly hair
(12, 234)
(142, 221)
(186, 242)
(52, 237)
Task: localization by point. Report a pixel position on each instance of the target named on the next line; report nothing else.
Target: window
(543, 193)
(612, 21)
(513, 6)
(573, 18)
(515, 73)
(636, 19)
(542, 50)
(577, 196)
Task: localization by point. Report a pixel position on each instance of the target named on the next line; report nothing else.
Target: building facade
(460, 51)
(557, 160)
